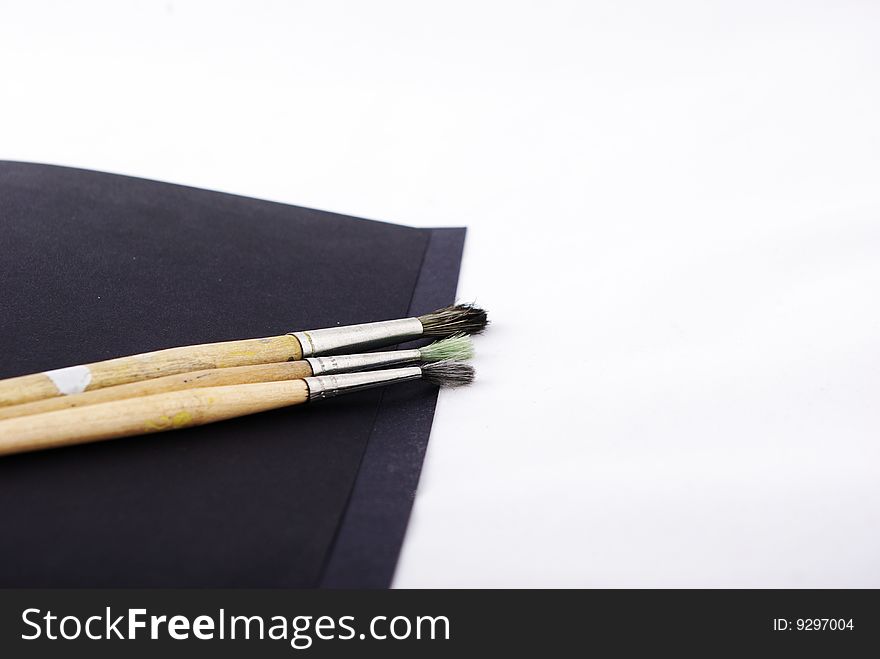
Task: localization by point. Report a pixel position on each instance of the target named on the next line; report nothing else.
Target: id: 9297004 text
(813, 624)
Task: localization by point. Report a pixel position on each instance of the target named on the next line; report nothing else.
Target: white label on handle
(70, 380)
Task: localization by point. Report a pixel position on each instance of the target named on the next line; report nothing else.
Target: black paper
(94, 266)
(365, 552)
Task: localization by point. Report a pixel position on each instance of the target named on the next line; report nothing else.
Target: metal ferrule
(357, 337)
(325, 386)
(364, 362)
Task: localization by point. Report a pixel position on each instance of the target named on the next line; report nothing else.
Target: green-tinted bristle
(458, 347)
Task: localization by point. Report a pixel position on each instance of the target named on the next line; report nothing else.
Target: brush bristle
(457, 319)
(457, 347)
(448, 373)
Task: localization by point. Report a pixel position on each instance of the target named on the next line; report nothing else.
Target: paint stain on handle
(165, 422)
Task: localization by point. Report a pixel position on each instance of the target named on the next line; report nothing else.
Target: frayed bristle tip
(457, 319)
(448, 373)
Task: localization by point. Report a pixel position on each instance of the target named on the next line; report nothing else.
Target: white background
(674, 219)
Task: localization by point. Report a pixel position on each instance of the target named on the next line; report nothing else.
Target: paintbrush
(460, 318)
(458, 347)
(192, 407)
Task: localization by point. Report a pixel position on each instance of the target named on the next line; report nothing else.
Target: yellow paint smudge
(165, 422)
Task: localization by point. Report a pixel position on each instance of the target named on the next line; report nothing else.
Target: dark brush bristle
(448, 373)
(459, 318)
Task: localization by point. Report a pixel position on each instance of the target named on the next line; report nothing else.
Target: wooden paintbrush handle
(135, 416)
(112, 372)
(212, 377)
